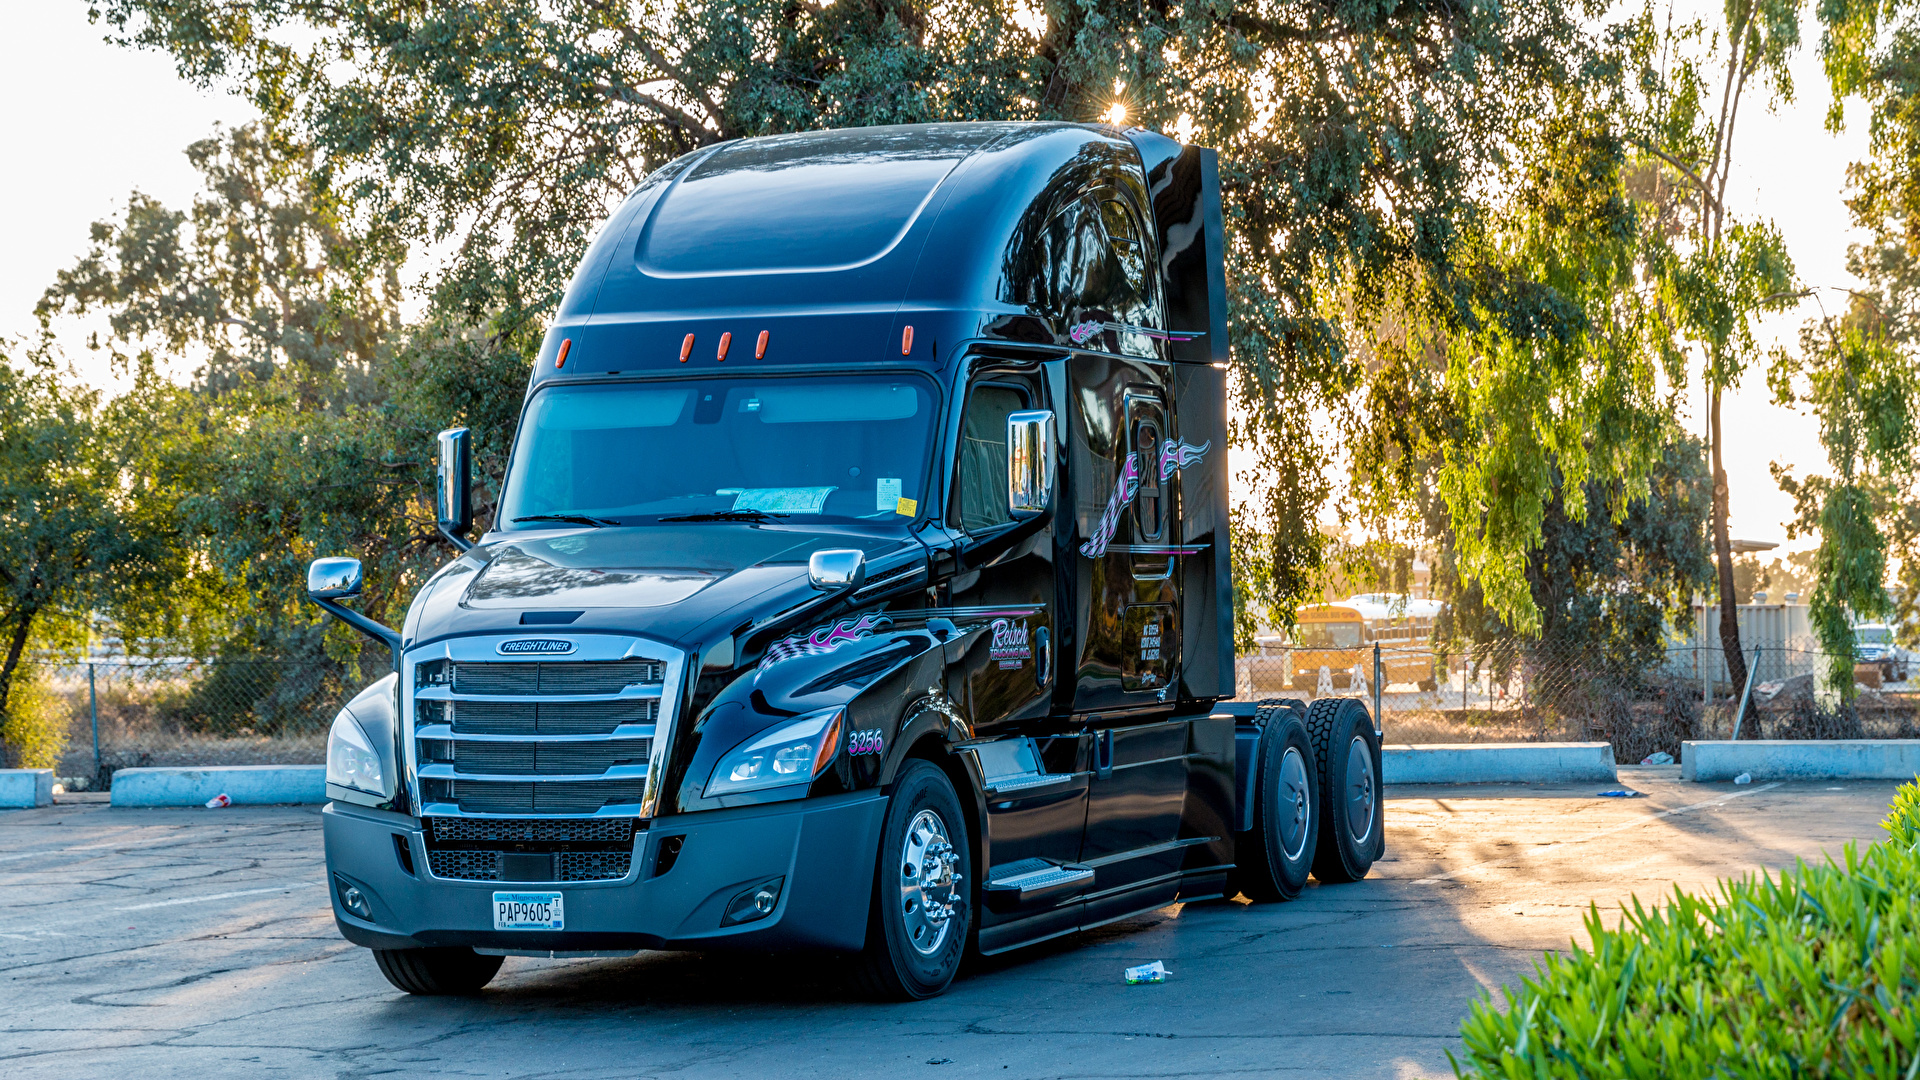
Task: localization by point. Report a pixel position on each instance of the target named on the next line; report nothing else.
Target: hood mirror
(333, 579)
(453, 486)
(1030, 454)
(837, 568)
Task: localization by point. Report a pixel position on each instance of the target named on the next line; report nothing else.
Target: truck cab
(859, 581)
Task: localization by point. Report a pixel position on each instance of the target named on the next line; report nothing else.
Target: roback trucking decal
(1174, 456)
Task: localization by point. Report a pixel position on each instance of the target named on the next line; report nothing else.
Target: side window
(1123, 236)
(983, 456)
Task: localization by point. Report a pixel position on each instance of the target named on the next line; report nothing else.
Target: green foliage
(33, 726)
(1810, 973)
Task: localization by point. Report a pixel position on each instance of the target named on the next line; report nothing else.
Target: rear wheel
(1272, 859)
(919, 922)
(437, 971)
(1352, 817)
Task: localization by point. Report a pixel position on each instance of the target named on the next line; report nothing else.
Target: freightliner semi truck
(858, 582)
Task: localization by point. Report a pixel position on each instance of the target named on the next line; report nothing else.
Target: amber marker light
(760, 347)
(829, 744)
(686, 348)
(906, 342)
(726, 339)
(560, 358)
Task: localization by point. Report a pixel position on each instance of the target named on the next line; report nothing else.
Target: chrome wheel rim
(1359, 790)
(1294, 810)
(929, 883)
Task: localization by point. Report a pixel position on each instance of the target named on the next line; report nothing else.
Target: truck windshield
(1872, 635)
(845, 447)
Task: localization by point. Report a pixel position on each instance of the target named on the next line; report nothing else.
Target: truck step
(1032, 880)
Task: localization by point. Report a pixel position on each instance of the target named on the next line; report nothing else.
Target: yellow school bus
(1340, 636)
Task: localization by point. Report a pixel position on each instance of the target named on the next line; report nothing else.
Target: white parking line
(1609, 830)
(220, 896)
(61, 851)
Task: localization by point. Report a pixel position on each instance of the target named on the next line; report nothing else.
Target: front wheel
(1352, 817)
(435, 972)
(919, 922)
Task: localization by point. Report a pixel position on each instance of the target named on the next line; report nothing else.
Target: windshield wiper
(727, 515)
(570, 519)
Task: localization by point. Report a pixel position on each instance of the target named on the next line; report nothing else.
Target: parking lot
(197, 943)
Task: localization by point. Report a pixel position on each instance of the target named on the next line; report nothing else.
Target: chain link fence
(102, 715)
(1529, 692)
(98, 716)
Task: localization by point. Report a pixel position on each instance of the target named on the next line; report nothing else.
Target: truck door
(1004, 585)
(1127, 611)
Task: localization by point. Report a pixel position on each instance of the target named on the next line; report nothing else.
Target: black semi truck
(859, 582)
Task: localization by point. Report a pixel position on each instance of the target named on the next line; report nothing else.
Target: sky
(121, 120)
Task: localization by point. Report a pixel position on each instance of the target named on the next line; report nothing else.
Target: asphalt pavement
(198, 944)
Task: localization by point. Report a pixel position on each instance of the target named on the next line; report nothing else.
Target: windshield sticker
(1179, 455)
(796, 500)
(886, 493)
(1010, 647)
(822, 639)
(908, 507)
(1174, 456)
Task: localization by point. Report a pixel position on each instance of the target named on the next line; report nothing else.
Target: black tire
(1352, 817)
(437, 971)
(1272, 859)
(912, 953)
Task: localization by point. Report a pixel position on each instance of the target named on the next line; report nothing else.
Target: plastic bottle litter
(1661, 758)
(219, 801)
(1744, 778)
(1147, 973)
(1623, 794)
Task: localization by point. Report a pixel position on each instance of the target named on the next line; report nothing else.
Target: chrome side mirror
(1030, 453)
(453, 485)
(838, 568)
(333, 579)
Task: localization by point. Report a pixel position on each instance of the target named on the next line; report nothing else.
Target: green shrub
(1811, 973)
(34, 730)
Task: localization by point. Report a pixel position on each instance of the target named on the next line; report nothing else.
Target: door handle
(1042, 657)
(1103, 754)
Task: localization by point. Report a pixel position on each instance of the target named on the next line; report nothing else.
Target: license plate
(528, 911)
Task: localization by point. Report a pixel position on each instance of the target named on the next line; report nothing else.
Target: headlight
(792, 753)
(351, 761)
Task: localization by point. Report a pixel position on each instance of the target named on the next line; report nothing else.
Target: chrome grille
(586, 830)
(554, 677)
(532, 797)
(549, 718)
(562, 758)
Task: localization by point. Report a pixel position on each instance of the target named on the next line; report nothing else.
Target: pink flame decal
(1124, 489)
(1179, 455)
(822, 639)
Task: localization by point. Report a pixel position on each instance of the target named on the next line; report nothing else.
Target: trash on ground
(219, 801)
(1147, 973)
(1623, 794)
(1661, 758)
(1744, 778)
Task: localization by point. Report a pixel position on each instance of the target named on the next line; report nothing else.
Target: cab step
(1031, 881)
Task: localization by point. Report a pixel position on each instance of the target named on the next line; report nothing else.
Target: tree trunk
(16, 644)
(1723, 557)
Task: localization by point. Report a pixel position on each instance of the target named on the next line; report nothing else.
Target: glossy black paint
(1048, 260)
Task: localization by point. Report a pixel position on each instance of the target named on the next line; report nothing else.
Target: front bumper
(824, 848)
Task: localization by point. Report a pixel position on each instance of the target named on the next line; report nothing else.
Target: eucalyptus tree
(1365, 148)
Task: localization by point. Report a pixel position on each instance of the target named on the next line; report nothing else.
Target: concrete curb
(244, 784)
(23, 789)
(1786, 759)
(1493, 763)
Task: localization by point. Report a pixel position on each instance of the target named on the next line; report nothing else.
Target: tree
(66, 547)
(1360, 144)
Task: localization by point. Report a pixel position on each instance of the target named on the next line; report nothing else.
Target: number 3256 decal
(867, 742)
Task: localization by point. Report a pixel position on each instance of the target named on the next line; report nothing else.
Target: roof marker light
(686, 348)
(560, 358)
(726, 339)
(760, 347)
(906, 342)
